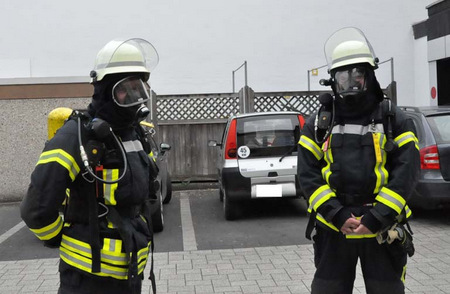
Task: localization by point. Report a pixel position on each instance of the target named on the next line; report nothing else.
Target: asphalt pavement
(199, 252)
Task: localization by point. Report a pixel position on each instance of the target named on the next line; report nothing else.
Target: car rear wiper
(287, 153)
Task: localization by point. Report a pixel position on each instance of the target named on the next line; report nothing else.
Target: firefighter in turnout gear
(358, 162)
(100, 160)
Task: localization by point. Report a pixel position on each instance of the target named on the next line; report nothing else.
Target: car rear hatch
(267, 153)
(440, 126)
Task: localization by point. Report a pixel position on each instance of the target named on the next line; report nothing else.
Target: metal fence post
(246, 100)
(391, 92)
(153, 117)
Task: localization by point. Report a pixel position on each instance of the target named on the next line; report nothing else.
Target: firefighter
(358, 162)
(101, 160)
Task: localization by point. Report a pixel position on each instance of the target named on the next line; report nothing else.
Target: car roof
(428, 110)
(241, 115)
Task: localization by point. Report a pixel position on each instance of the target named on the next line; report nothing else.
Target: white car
(258, 158)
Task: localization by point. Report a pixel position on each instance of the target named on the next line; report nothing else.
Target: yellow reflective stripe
(110, 189)
(63, 158)
(84, 249)
(403, 274)
(391, 199)
(360, 236)
(349, 236)
(319, 196)
(85, 264)
(407, 137)
(320, 218)
(310, 145)
(114, 246)
(50, 231)
(152, 156)
(142, 254)
(326, 170)
(381, 173)
(408, 211)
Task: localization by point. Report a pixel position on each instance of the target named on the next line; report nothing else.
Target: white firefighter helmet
(349, 46)
(122, 56)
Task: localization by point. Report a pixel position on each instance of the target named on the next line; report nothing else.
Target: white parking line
(11, 231)
(189, 241)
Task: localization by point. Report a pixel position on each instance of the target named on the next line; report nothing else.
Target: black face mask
(103, 106)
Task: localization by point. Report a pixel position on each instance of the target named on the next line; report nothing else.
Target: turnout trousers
(335, 257)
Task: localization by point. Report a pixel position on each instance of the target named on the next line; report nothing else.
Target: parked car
(164, 194)
(258, 158)
(433, 131)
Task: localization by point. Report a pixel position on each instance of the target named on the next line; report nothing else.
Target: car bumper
(430, 194)
(238, 187)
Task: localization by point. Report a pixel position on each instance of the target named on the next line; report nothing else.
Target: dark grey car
(164, 192)
(433, 131)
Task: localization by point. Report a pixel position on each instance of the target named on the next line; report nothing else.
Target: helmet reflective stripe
(351, 52)
(352, 57)
(123, 63)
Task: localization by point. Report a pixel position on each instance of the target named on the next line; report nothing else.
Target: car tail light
(231, 145)
(301, 120)
(429, 157)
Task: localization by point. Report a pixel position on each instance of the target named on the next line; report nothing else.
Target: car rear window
(440, 126)
(275, 135)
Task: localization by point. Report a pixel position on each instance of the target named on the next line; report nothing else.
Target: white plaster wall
(201, 41)
(421, 76)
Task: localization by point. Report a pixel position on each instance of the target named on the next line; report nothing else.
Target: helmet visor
(342, 36)
(350, 80)
(130, 91)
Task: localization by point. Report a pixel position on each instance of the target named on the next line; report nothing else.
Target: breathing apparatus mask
(350, 81)
(132, 94)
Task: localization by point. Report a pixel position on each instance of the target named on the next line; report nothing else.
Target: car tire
(168, 190)
(229, 208)
(220, 195)
(158, 217)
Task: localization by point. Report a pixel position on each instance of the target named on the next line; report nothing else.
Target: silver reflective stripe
(112, 245)
(405, 138)
(132, 146)
(321, 195)
(352, 56)
(73, 169)
(107, 193)
(313, 147)
(357, 129)
(379, 166)
(391, 199)
(57, 227)
(122, 63)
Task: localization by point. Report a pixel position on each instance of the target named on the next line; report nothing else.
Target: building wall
(201, 42)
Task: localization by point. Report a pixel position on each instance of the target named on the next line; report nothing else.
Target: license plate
(268, 191)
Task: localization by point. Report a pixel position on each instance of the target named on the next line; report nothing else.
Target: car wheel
(220, 194)
(158, 217)
(229, 208)
(168, 190)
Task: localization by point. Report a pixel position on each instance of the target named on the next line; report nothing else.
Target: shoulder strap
(388, 120)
